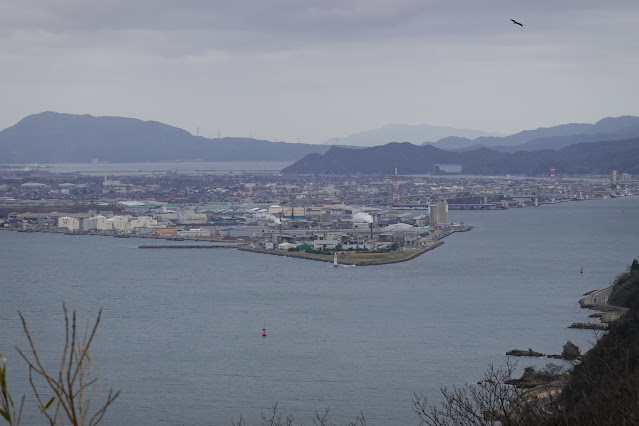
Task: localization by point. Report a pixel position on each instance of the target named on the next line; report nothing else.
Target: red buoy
(582, 270)
(263, 332)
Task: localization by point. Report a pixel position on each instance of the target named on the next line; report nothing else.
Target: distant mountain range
(416, 134)
(557, 137)
(583, 158)
(51, 137)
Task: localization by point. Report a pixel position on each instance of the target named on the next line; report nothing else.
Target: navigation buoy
(582, 271)
(263, 332)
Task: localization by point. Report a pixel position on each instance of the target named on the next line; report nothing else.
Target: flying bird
(517, 23)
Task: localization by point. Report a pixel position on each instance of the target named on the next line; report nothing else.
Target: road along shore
(597, 300)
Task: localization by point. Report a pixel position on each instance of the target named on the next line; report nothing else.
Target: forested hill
(584, 158)
(604, 388)
(51, 137)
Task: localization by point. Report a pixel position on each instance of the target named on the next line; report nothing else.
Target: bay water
(181, 329)
(129, 169)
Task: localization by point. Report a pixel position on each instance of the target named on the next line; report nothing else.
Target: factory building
(188, 216)
(326, 216)
(328, 241)
(438, 213)
(97, 223)
(195, 232)
(103, 224)
(166, 232)
(294, 213)
(121, 223)
(143, 222)
(275, 210)
(90, 223)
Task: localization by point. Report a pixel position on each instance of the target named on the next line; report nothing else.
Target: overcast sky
(314, 70)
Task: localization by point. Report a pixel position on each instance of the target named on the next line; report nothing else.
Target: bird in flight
(517, 23)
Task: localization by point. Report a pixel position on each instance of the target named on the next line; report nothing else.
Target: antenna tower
(396, 188)
(552, 175)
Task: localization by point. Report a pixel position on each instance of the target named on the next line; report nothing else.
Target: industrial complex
(274, 212)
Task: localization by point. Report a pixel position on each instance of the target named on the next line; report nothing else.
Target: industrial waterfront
(366, 219)
(186, 324)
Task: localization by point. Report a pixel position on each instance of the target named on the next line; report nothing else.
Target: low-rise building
(195, 232)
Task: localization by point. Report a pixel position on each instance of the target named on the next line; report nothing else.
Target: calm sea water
(122, 169)
(181, 331)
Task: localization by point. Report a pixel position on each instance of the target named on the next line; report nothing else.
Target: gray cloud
(283, 24)
(284, 69)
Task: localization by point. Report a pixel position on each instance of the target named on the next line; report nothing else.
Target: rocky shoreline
(596, 300)
(570, 352)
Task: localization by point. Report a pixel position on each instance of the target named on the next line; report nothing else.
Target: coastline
(349, 261)
(597, 300)
(329, 257)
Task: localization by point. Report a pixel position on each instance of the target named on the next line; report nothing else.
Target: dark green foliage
(532, 378)
(604, 387)
(314, 251)
(625, 291)
(570, 351)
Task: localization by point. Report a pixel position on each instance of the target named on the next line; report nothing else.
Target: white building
(143, 222)
(121, 223)
(328, 241)
(195, 232)
(286, 246)
(438, 213)
(89, 223)
(103, 224)
(275, 210)
(71, 223)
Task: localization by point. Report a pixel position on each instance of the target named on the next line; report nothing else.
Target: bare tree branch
(73, 384)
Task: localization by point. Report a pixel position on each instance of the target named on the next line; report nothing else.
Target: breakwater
(597, 300)
(349, 262)
(188, 246)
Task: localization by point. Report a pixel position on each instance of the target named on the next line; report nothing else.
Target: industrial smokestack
(371, 225)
